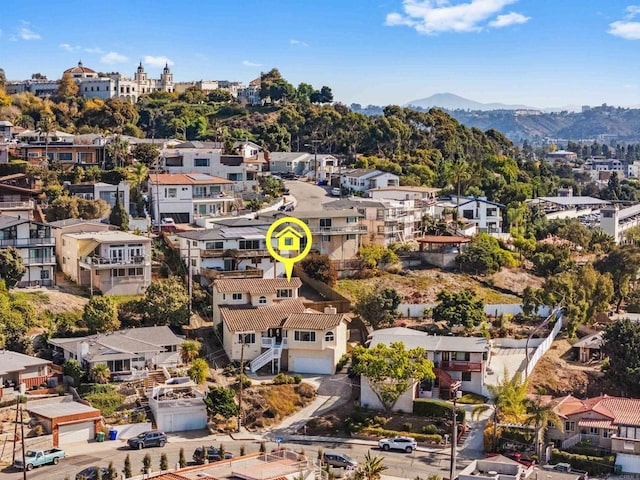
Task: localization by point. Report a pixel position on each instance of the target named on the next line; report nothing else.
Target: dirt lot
(516, 280)
(422, 286)
(559, 375)
(55, 300)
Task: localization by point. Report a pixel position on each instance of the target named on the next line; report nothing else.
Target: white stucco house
(178, 406)
(363, 179)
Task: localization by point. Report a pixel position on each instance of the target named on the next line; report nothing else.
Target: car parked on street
(213, 455)
(339, 460)
(91, 473)
(406, 444)
(152, 438)
(36, 458)
(336, 191)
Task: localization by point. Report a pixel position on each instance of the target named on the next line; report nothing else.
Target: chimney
(83, 349)
(329, 310)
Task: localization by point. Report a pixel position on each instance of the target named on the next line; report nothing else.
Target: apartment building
(487, 216)
(36, 245)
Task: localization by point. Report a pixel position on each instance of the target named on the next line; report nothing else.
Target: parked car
(213, 455)
(152, 438)
(288, 207)
(566, 468)
(406, 444)
(339, 460)
(91, 473)
(37, 458)
(336, 191)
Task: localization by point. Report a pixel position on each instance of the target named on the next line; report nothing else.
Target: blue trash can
(113, 434)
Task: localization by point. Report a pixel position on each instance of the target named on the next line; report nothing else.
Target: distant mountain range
(450, 101)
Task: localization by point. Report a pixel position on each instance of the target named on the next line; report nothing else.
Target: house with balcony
(123, 351)
(231, 248)
(178, 406)
(424, 198)
(363, 179)
(101, 191)
(487, 216)
(266, 323)
(110, 261)
(189, 197)
(609, 423)
(62, 149)
(75, 225)
(36, 245)
(17, 369)
(455, 359)
(21, 195)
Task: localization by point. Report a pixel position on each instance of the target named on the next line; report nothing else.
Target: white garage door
(630, 463)
(76, 432)
(312, 365)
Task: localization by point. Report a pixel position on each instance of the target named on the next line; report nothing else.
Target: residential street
(309, 196)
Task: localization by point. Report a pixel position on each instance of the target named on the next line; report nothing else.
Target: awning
(87, 247)
(595, 423)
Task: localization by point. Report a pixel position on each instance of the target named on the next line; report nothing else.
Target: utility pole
(242, 334)
(15, 433)
(190, 283)
(24, 463)
(454, 435)
(314, 144)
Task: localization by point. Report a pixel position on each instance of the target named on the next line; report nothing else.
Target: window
(467, 214)
(249, 245)
(461, 356)
(118, 272)
(193, 262)
(234, 177)
(262, 300)
(200, 162)
(65, 156)
(44, 274)
(325, 223)
(135, 272)
(246, 338)
(284, 293)
(237, 296)
(492, 212)
(84, 157)
(466, 376)
(329, 337)
(173, 161)
(569, 426)
(605, 433)
(594, 431)
(351, 236)
(304, 336)
(214, 245)
(352, 219)
(326, 238)
(170, 192)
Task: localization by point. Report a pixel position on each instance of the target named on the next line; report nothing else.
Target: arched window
(328, 337)
(262, 300)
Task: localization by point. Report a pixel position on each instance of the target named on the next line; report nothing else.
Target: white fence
(544, 346)
(416, 310)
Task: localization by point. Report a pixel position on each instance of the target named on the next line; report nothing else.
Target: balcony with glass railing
(27, 242)
(97, 263)
(347, 229)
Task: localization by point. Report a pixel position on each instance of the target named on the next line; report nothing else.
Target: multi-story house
(101, 191)
(188, 197)
(487, 216)
(455, 359)
(363, 179)
(17, 368)
(320, 166)
(6, 130)
(63, 151)
(230, 248)
(263, 318)
(36, 246)
(75, 225)
(113, 262)
(424, 198)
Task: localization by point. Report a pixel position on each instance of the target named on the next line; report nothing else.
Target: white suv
(406, 444)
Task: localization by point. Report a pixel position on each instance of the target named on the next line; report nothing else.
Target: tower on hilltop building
(141, 75)
(166, 79)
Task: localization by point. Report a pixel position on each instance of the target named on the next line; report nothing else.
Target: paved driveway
(308, 195)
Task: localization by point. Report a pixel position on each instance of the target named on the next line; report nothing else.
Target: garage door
(76, 432)
(629, 463)
(312, 365)
(181, 422)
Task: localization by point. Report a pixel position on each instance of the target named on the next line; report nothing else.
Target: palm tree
(371, 468)
(46, 126)
(100, 373)
(459, 172)
(189, 350)
(138, 174)
(541, 416)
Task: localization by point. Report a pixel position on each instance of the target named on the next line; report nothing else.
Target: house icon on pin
(288, 240)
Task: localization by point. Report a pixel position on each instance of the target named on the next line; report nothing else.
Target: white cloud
(68, 48)
(27, 34)
(298, 42)
(93, 50)
(247, 63)
(159, 61)
(627, 30)
(431, 17)
(77, 48)
(511, 18)
(632, 11)
(113, 57)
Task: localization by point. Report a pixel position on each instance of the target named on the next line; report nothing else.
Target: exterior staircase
(273, 352)
(445, 381)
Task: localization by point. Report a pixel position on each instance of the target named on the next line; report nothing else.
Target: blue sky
(543, 53)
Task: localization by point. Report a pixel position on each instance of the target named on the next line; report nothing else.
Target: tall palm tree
(100, 373)
(189, 350)
(46, 126)
(371, 468)
(459, 173)
(138, 174)
(541, 416)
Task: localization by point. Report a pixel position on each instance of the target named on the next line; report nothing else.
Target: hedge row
(436, 409)
(420, 437)
(591, 464)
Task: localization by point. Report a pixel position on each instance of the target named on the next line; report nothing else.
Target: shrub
(105, 398)
(436, 409)
(297, 379)
(592, 464)
(321, 268)
(38, 431)
(429, 429)
(342, 362)
(305, 390)
(246, 381)
(283, 379)
(381, 432)
(407, 426)
(380, 421)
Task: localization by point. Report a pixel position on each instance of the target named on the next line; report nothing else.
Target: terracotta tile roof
(618, 410)
(170, 476)
(256, 286)
(595, 423)
(186, 179)
(313, 321)
(241, 318)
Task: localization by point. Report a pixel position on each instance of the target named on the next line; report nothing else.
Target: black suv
(339, 460)
(213, 455)
(91, 473)
(148, 439)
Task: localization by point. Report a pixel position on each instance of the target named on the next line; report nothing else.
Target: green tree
(67, 87)
(100, 373)
(164, 462)
(101, 314)
(219, 96)
(12, 268)
(167, 302)
(119, 216)
(72, 368)
(112, 473)
(127, 472)
(46, 126)
(541, 416)
(622, 346)
(146, 464)
(371, 468)
(146, 153)
(623, 264)
(320, 267)
(483, 255)
(199, 370)
(391, 370)
(459, 308)
(378, 307)
(182, 461)
(374, 256)
(189, 350)
(221, 401)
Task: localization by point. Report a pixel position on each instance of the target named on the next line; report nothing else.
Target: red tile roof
(619, 410)
(242, 318)
(313, 321)
(186, 179)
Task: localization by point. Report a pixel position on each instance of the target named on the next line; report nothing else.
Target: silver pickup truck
(36, 458)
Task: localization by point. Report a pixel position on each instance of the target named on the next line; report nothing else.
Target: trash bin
(100, 436)
(113, 434)
(617, 469)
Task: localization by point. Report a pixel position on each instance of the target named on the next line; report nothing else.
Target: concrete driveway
(308, 195)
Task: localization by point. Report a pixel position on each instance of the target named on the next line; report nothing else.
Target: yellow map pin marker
(288, 240)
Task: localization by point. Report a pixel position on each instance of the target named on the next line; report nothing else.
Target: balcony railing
(17, 205)
(213, 196)
(38, 260)
(270, 342)
(106, 262)
(361, 229)
(460, 366)
(26, 242)
(212, 274)
(233, 253)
